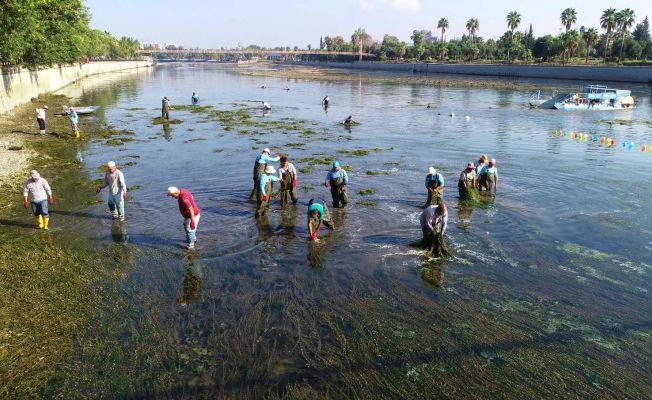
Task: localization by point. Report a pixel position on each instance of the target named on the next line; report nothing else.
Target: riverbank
(570, 72)
(19, 86)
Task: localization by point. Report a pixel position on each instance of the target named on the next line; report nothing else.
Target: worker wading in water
(434, 221)
(288, 175)
(488, 178)
(318, 215)
(337, 179)
(259, 168)
(435, 186)
(467, 182)
(165, 108)
(265, 190)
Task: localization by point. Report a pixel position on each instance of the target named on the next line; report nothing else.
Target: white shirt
(40, 113)
(435, 223)
(290, 168)
(37, 191)
(266, 105)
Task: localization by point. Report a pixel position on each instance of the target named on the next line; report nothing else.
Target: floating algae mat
(546, 293)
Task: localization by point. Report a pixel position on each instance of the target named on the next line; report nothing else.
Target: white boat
(86, 110)
(592, 97)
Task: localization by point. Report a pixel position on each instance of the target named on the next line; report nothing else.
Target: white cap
(493, 161)
(173, 189)
(111, 164)
(34, 174)
(432, 170)
(267, 150)
(270, 170)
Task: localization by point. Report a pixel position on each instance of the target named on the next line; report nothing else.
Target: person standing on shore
(337, 179)
(189, 211)
(115, 180)
(40, 119)
(259, 168)
(288, 175)
(165, 108)
(37, 192)
(488, 179)
(74, 120)
(265, 190)
(317, 215)
(435, 186)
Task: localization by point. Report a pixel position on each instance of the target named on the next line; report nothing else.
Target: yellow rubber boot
(39, 219)
(46, 221)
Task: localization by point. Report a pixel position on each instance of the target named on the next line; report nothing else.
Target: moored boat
(592, 97)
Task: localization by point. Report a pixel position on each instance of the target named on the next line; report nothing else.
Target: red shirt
(186, 202)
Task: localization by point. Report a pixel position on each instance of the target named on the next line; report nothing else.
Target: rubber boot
(41, 132)
(77, 134)
(39, 219)
(46, 221)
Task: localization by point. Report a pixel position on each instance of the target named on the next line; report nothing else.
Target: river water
(547, 292)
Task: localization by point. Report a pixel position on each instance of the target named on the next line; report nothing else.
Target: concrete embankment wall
(20, 86)
(585, 73)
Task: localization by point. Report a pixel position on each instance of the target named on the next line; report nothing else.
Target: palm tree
(443, 25)
(590, 36)
(513, 20)
(473, 26)
(568, 18)
(624, 20)
(570, 42)
(608, 22)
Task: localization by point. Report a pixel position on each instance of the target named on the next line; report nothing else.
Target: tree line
(614, 42)
(49, 32)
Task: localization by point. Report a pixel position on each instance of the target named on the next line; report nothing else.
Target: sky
(271, 23)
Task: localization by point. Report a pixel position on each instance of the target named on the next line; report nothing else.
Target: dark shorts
(41, 123)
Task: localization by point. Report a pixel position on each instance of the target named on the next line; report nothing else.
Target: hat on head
(111, 164)
(173, 189)
(270, 170)
(432, 171)
(336, 164)
(45, 107)
(34, 174)
(469, 165)
(267, 150)
(493, 161)
(71, 108)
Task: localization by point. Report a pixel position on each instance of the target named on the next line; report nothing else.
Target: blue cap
(336, 164)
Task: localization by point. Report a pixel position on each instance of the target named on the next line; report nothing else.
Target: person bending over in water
(349, 120)
(325, 101)
(317, 215)
(434, 221)
(266, 106)
(428, 106)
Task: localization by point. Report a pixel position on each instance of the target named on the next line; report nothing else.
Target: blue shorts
(41, 123)
(40, 208)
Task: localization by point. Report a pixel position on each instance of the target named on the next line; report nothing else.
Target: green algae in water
(305, 170)
(201, 139)
(114, 142)
(367, 203)
(218, 150)
(373, 172)
(133, 187)
(161, 121)
(367, 192)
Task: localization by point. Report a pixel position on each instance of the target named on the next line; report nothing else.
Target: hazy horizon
(206, 24)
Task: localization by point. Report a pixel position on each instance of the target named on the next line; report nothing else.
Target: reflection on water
(548, 282)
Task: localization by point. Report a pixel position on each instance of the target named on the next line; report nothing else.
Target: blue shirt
(74, 118)
(487, 169)
(264, 159)
(332, 174)
(264, 178)
(437, 177)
